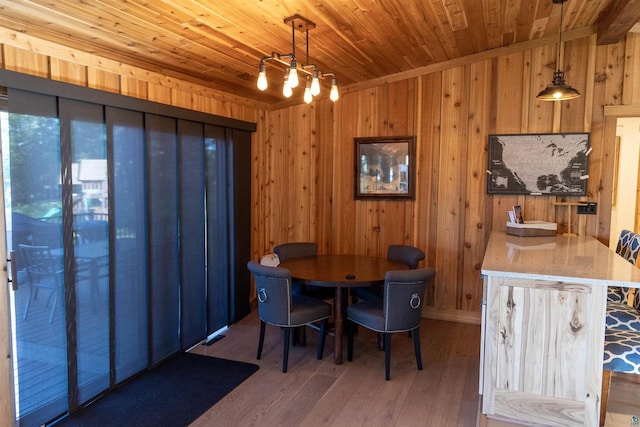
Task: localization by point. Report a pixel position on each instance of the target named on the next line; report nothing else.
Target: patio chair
(43, 272)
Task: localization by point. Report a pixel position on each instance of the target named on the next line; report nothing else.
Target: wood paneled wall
(306, 167)
(304, 155)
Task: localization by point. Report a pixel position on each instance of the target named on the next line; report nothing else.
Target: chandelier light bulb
(315, 85)
(293, 74)
(334, 95)
(308, 97)
(286, 90)
(262, 80)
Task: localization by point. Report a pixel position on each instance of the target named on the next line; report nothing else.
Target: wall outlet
(590, 208)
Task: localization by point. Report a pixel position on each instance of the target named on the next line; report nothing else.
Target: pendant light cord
(293, 40)
(560, 37)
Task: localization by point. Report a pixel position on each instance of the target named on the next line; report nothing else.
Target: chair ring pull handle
(262, 295)
(415, 301)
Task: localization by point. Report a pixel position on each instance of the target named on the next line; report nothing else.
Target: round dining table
(340, 272)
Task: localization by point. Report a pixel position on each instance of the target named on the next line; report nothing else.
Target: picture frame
(385, 167)
(538, 164)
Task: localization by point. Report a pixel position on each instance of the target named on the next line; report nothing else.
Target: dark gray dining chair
(409, 255)
(278, 306)
(405, 254)
(399, 310)
(292, 250)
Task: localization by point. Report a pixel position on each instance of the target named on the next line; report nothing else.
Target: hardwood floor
(315, 393)
(624, 400)
(319, 393)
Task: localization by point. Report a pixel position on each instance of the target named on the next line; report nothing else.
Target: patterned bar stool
(621, 315)
(621, 354)
(622, 334)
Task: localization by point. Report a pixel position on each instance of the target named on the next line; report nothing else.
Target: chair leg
(53, 308)
(350, 331)
(604, 398)
(261, 340)
(387, 356)
(285, 358)
(50, 297)
(26, 308)
(416, 347)
(299, 336)
(323, 328)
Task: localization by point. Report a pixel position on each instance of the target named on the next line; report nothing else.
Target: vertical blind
(162, 197)
(127, 210)
(165, 224)
(191, 155)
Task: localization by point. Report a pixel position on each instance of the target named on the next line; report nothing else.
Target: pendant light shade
(558, 90)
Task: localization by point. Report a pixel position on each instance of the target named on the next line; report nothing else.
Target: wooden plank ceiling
(219, 44)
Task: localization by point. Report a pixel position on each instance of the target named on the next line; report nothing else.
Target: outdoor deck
(40, 376)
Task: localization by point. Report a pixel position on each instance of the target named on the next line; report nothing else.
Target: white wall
(624, 207)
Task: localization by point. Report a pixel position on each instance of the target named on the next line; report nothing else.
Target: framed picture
(538, 164)
(385, 167)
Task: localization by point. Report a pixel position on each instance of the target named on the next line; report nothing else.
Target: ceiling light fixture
(310, 71)
(558, 90)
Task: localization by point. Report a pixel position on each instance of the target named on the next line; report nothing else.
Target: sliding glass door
(33, 198)
(85, 220)
(120, 226)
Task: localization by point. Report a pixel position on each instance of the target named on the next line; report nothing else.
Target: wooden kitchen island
(543, 321)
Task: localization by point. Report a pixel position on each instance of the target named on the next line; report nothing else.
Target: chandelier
(309, 72)
(558, 90)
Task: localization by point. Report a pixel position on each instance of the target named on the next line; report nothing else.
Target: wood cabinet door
(543, 350)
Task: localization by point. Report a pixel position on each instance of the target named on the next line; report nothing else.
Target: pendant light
(310, 72)
(558, 90)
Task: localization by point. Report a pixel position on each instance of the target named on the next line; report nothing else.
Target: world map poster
(537, 164)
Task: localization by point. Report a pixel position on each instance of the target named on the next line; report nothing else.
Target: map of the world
(538, 164)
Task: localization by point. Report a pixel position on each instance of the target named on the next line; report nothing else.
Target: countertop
(574, 259)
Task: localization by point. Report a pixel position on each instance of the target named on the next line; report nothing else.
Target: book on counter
(515, 215)
(517, 210)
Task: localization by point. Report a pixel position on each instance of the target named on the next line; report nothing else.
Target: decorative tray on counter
(532, 228)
